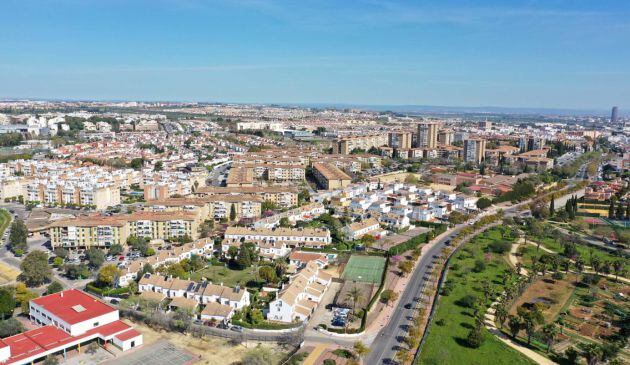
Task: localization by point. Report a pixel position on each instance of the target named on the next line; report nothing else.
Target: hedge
(106, 291)
(410, 244)
(266, 325)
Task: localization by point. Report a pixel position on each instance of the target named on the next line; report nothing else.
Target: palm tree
(360, 349)
(519, 266)
(550, 331)
(579, 267)
(618, 268)
(514, 323)
(501, 314)
(404, 356)
(596, 264)
(566, 265)
(355, 296)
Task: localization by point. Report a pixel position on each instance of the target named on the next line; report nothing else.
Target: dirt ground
(551, 293)
(8, 274)
(211, 350)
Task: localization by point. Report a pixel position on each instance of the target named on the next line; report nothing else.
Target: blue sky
(517, 53)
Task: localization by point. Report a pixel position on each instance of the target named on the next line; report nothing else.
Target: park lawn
(225, 275)
(446, 341)
(585, 251)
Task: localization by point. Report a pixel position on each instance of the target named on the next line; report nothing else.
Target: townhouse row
(220, 301)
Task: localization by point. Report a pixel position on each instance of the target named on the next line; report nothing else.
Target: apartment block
(330, 177)
(427, 135)
(346, 145)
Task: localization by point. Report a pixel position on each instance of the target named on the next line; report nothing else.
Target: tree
(146, 269)
(404, 356)
(108, 275)
(10, 327)
(475, 337)
(388, 296)
(618, 268)
(7, 303)
(268, 274)
(54, 287)
(159, 166)
(18, 236)
(232, 252)
(530, 319)
(620, 212)
(552, 206)
(354, 295)
(514, 323)
(232, 212)
(592, 352)
(611, 210)
(501, 314)
(284, 222)
(95, 257)
(405, 267)
(483, 203)
(76, 271)
(368, 240)
(115, 250)
(35, 269)
(23, 296)
(550, 331)
(360, 349)
(243, 259)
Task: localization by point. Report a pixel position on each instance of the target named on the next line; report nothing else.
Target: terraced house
(299, 299)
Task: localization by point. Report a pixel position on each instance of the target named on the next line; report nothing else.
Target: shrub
(479, 266)
(500, 246)
(475, 338)
(468, 301)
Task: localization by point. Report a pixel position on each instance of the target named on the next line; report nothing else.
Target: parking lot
(158, 353)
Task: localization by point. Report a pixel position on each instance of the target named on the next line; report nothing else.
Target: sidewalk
(492, 328)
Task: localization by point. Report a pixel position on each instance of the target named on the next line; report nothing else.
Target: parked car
(237, 328)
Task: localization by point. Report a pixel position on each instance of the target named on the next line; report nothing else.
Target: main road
(389, 339)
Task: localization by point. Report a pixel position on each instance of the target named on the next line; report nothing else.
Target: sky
(510, 53)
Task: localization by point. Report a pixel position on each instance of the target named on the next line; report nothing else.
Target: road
(390, 338)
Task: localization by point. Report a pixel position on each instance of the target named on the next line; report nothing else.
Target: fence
(293, 337)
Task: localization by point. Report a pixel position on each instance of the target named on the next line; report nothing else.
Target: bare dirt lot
(209, 350)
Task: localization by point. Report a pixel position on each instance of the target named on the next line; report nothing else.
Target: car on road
(408, 305)
(237, 328)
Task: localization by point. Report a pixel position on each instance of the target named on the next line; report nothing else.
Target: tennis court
(367, 269)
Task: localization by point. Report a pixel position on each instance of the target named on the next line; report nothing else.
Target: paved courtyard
(162, 352)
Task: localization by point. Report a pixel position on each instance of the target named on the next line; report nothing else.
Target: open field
(364, 269)
(229, 277)
(208, 350)
(8, 273)
(5, 219)
(446, 341)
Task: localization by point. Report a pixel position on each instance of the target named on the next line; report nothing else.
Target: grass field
(229, 277)
(367, 269)
(5, 219)
(446, 341)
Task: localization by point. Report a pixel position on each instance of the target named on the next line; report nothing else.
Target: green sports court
(367, 269)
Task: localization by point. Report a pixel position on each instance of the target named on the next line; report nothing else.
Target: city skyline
(535, 55)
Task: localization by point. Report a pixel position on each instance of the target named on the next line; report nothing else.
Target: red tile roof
(73, 306)
(127, 335)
